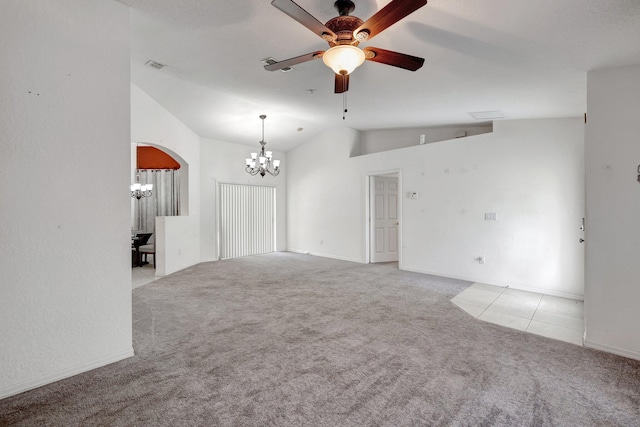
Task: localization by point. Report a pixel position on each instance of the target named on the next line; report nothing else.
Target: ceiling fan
(345, 32)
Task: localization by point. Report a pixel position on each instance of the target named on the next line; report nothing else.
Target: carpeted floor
(294, 340)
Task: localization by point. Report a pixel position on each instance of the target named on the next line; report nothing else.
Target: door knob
(581, 240)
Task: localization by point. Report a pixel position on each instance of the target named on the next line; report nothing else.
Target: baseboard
(550, 292)
(65, 373)
(543, 291)
(318, 254)
(177, 269)
(611, 349)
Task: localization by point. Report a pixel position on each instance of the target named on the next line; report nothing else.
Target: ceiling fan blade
(389, 57)
(305, 18)
(342, 83)
(294, 61)
(386, 17)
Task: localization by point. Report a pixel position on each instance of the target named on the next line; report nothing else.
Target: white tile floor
(552, 317)
(143, 275)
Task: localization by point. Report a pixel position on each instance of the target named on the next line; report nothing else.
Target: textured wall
(529, 172)
(65, 281)
(612, 288)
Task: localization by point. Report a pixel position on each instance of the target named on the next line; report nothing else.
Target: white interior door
(384, 218)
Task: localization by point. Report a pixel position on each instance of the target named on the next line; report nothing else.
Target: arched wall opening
(173, 236)
(184, 171)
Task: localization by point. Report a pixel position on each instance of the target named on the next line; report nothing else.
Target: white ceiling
(526, 58)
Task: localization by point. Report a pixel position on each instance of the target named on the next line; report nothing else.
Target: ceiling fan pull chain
(344, 105)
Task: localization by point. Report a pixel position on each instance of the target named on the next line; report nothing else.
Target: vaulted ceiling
(525, 58)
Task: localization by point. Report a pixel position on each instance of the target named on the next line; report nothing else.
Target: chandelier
(261, 163)
(140, 190)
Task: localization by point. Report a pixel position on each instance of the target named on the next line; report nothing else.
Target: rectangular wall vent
(154, 64)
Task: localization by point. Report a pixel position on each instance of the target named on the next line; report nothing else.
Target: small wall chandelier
(263, 162)
(138, 190)
(141, 190)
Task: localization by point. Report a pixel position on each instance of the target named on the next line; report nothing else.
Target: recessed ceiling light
(487, 115)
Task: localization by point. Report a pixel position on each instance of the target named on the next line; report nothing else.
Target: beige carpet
(293, 340)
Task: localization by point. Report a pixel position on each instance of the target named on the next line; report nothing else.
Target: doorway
(384, 213)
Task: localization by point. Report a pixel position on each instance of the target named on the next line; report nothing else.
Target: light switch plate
(490, 216)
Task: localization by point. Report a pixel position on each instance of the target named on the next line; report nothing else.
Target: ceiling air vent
(154, 64)
(271, 61)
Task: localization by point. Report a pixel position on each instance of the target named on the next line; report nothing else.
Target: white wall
(175, 248)
(531, 173)
(152, 124)
(224, 162)
(325, 197)
(65, 282)
(375, 141)
(612, 289)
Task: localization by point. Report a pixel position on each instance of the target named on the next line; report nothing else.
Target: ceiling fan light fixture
(343, 58)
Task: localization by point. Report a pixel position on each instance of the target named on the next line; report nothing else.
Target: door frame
(368, 182)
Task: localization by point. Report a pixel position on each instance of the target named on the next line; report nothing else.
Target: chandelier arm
(252, 171)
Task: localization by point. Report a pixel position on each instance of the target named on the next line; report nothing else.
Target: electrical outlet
(481, 260)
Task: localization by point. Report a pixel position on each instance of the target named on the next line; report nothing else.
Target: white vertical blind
(247, 220)
(164, 201)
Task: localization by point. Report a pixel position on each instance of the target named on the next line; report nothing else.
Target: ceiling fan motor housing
(344, 7)
(344, 26)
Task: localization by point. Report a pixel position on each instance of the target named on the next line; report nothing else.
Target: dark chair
(141, 239)
(148, 250)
